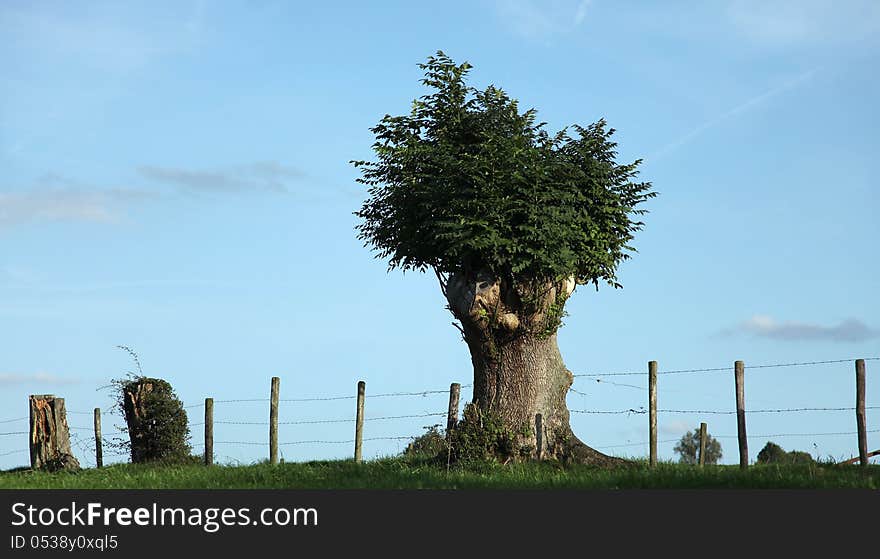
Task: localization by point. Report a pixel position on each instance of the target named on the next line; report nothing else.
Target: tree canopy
(466, 181)
(688, 448)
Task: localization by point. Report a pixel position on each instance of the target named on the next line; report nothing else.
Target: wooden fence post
(652, 411)
(359, 423)
(860, 412)
(273, 421)
(539, 435)
(739, 378)
(209, 431)
(452, 412)
(99, 449)
(702, 444)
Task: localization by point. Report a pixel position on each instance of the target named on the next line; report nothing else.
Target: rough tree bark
(136, 419)
(49, 435)
(510, 331)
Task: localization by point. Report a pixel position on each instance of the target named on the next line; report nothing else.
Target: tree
(688, 448)
(772, 453)
(510, 218)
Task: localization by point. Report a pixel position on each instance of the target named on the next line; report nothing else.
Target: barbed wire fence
(231, 415)
(695, 416)
(234, 412)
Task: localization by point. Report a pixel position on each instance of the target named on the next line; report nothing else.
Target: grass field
(400, 473)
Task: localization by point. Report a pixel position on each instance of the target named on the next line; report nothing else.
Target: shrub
(432, 444)
(482, 437)
(772, 453)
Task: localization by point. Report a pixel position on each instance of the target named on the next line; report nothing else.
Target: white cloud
(64, 204)
(849, 330)
(55, 198)
(259, 176)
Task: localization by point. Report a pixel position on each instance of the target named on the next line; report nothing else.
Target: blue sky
(176, 179)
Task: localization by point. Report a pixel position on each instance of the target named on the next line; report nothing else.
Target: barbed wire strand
(636, 444)
(610, 412)
(328, 398)
(349, 441)
(747, 436)
(319, 421)
(621, 384)
(716, 369)
(796, 435)
(642, 410)
(780, 410)
(13, 452)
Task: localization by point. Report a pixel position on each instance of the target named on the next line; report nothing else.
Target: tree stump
(50, 435)
(156, 421)
(136, 419)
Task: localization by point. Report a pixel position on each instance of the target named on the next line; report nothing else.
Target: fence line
(640, 410)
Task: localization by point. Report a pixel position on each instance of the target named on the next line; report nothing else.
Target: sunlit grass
(400, 473)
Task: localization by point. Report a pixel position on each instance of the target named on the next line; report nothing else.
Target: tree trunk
(510, 331)
(49, 435)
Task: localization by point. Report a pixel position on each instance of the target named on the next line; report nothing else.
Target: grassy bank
(398, 473)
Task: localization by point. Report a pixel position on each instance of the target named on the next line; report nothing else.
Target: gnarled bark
(510, 330)
(50, 435)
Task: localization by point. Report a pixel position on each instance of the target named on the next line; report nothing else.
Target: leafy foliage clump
(688, 448)
(772, 453)
(467, 182)
(482, 437)
(431, 444)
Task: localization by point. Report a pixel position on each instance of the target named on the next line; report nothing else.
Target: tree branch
(443, 281)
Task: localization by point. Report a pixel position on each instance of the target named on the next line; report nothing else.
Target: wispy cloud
(7, 379)
(535, 19)
(56, 198)
(849, 330)
(109, 37)
(259, 176)
(732, 113)
(64, 204)
(803, 22)
(581, 12)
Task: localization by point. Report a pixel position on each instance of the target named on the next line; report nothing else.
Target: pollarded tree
(511, 219)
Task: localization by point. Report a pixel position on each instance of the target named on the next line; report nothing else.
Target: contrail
(738, 110)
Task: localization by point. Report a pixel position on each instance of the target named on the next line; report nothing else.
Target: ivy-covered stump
(156, 421)
(49, 434)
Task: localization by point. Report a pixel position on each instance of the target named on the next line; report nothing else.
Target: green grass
(400, 473)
